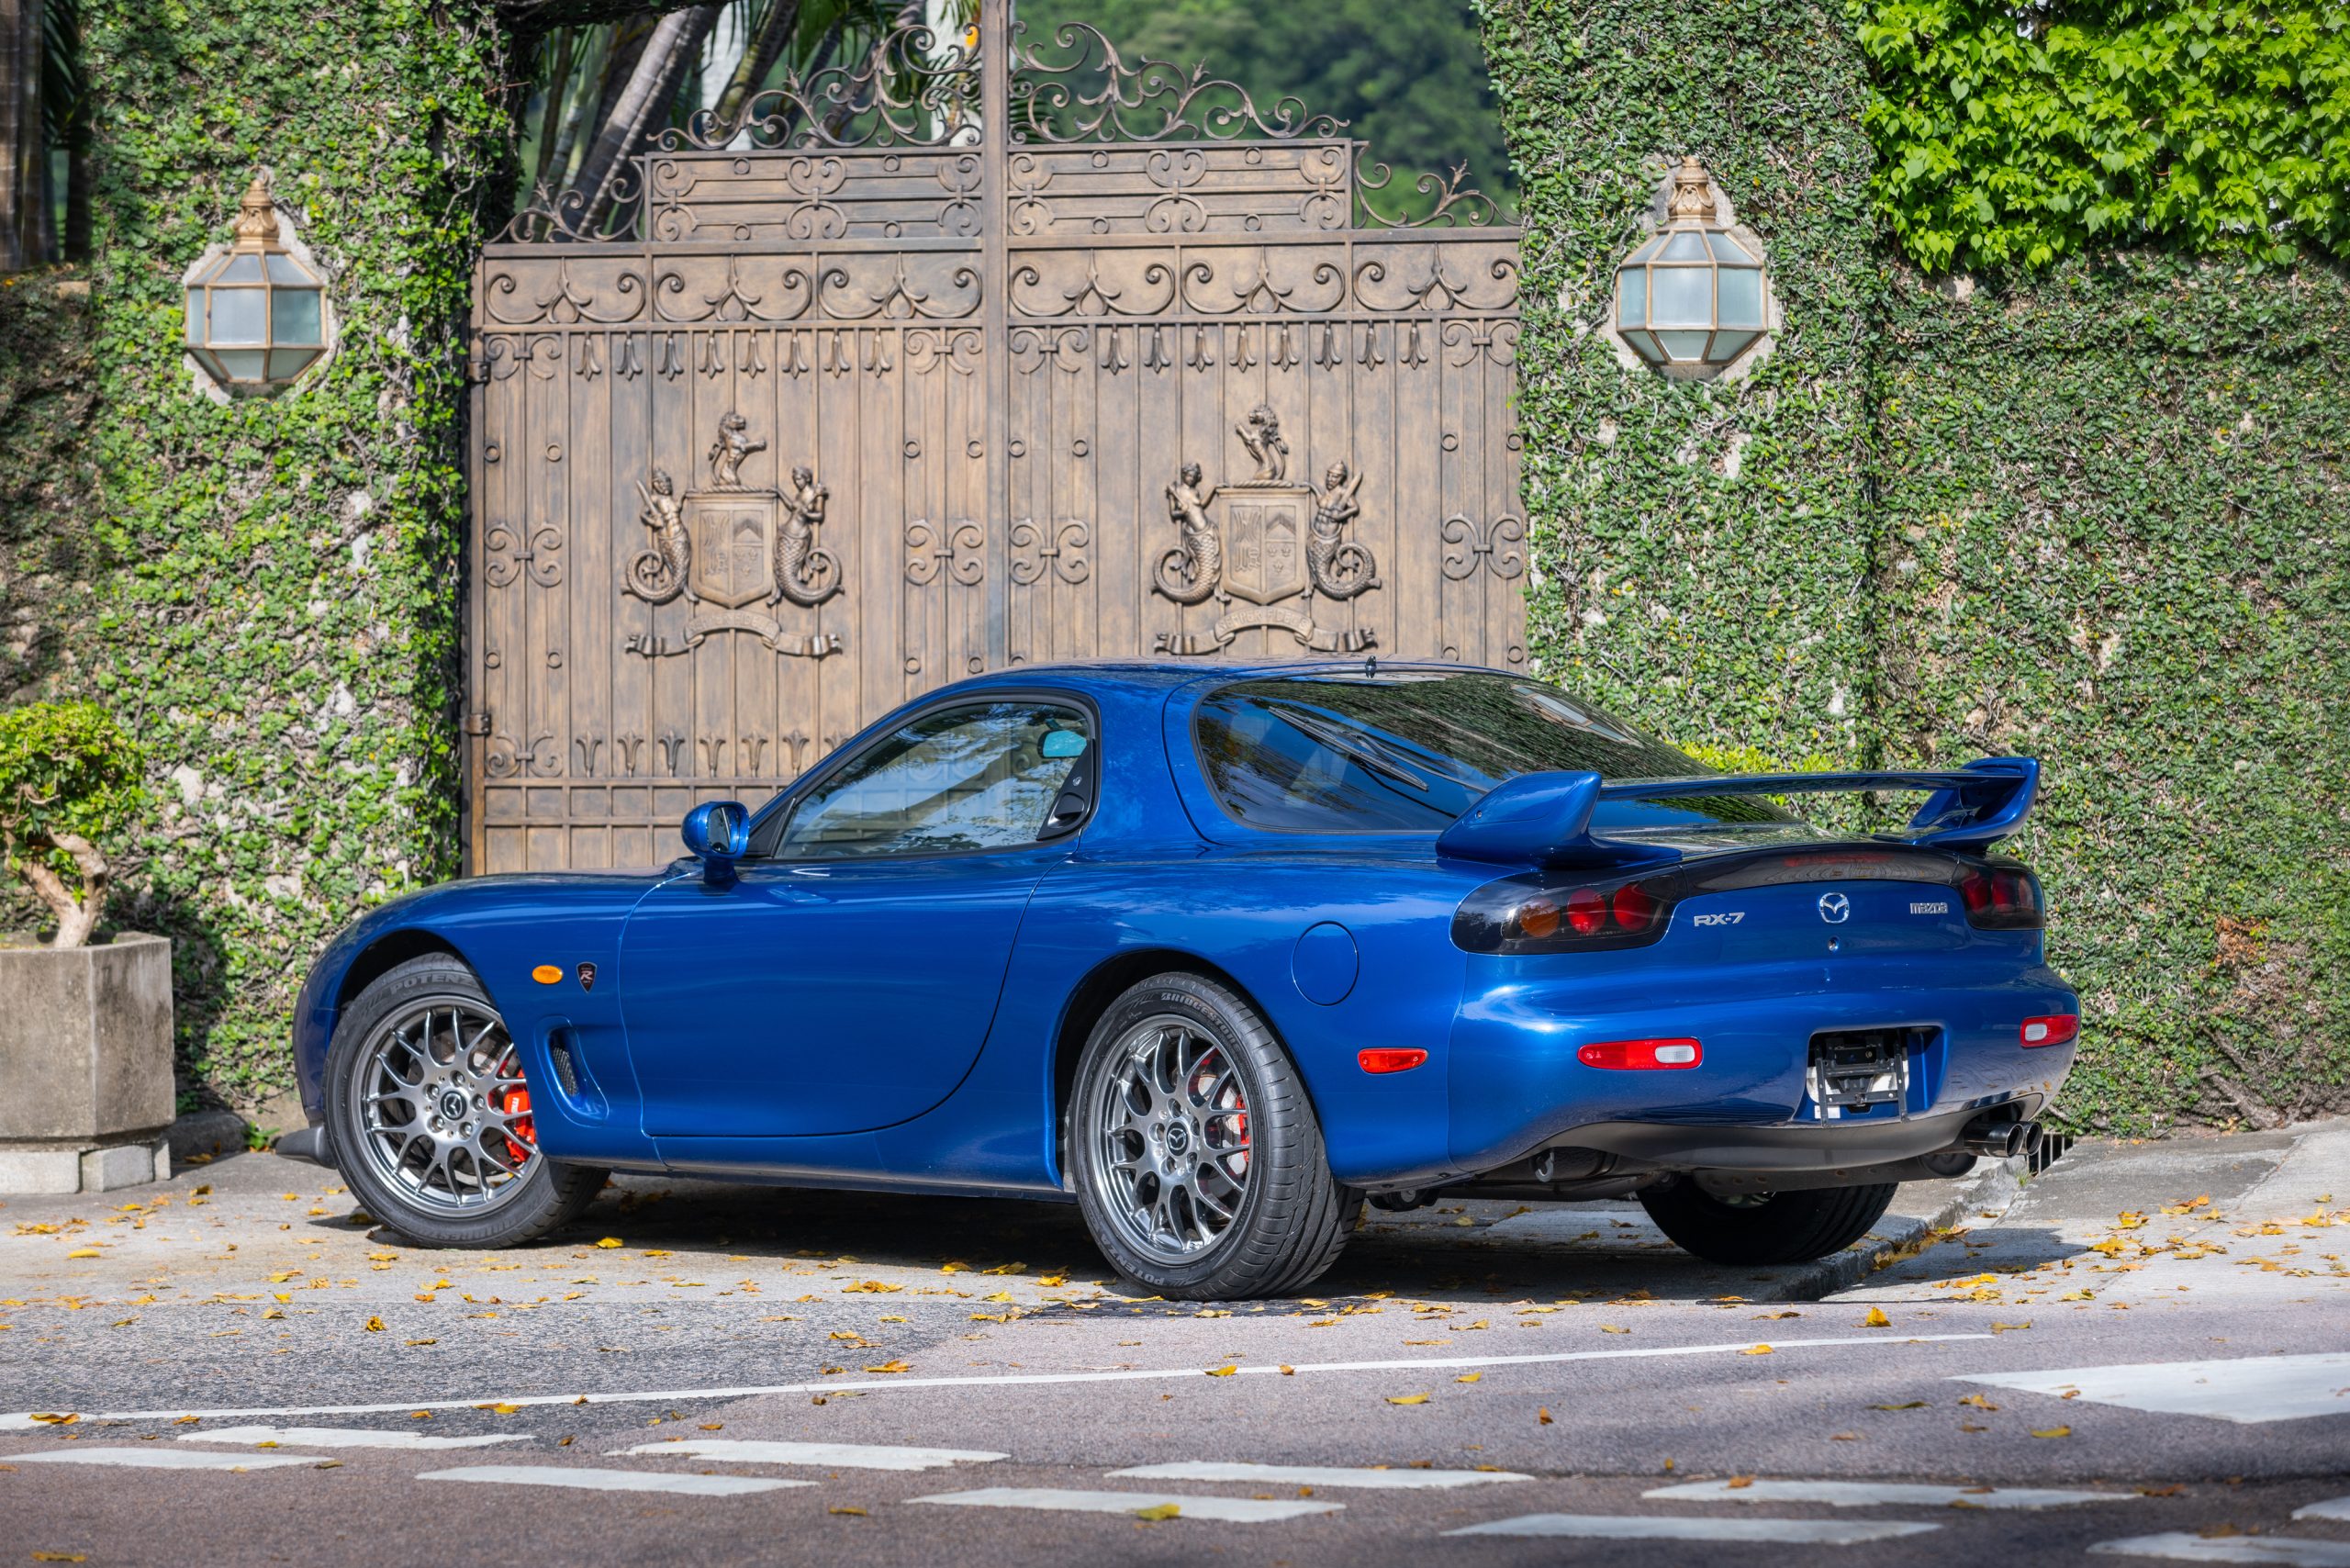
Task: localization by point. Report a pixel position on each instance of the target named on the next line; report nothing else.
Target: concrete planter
(85, 1065)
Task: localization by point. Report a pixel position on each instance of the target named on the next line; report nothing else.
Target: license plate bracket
(1854, 1071)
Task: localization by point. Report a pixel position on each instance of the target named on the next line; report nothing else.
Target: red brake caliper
(516, 1105)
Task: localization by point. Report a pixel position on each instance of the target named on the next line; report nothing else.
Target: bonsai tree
(68, 777)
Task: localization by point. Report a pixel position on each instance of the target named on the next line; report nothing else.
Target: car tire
(431, 1019)
(1766, 1228)
(1241, 1106)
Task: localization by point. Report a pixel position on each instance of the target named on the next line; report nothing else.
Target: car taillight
(2054, 1029)
(1538, 913)
(1621, 1056)
(2001, 898)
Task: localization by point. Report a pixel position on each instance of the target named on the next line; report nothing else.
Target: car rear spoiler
(1545, 818)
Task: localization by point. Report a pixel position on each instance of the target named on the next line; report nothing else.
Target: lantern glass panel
(1682, 296)
(1646, 252)
(285, 269)
(1741, 296)
(1644, 344)
(284, 364)
(238, 315)
(241, 364)
(1727, 346)
(1729, 251)
(293, 316)
(1631, 298)
(1687, 246)
(1685, 346)
(195, 316)
(243, 268)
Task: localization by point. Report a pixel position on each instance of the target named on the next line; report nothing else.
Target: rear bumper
(1827, 1145)
(1516, 1085)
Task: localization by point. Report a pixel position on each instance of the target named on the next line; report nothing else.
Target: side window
(981, 777)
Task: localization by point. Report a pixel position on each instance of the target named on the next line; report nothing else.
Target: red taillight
(1587, 910)
(1630, 1055)
(1635, 910)
(1389, 1059)
(2054, 1029)
(2001, 898)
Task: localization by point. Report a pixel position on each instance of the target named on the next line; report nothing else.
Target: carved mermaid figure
(657, 575)
(1340, 569)
(1194, 573)
(804, 574)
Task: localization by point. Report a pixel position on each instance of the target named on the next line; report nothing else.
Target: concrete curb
(214, 1133)
(1991, 1186)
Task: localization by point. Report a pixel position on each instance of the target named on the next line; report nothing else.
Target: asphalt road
(1467, 1368)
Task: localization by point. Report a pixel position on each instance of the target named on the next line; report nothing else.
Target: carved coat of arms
(728, 546)
(1264, 541)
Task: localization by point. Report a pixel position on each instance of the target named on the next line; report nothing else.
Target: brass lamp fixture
(256, 315)
(1693, 299)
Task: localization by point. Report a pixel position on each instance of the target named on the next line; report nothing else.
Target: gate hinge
(476, 723)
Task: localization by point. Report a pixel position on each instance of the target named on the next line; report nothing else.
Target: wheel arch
(386, 953)
(1102, 985)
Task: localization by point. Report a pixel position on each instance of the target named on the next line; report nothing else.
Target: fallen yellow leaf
(1756, 1351)
(2055, 1432)
(85, 1252)
(612, 1241)
(870, 1287)
(1876, 1319)
(1160, 1512)
(48, 1418)
(374, 1326)
(1611, 1328)
(1542, 1414)
(1467, 1377)
(1222, 1372)
(890, 1367)
(854, 1512)
(1739, 1482)
(1407, 1399)
(1906, 1404)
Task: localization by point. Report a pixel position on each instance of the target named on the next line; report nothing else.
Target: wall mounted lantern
(256, 313)
(1694, 299)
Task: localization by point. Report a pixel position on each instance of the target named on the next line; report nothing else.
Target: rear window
(1408, 752)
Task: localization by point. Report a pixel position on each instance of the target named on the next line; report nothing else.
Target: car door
(846, 978)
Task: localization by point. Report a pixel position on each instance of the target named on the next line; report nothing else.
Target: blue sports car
(1220, 954)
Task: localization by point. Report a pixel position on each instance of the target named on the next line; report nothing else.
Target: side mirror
(718, 832)
(1063, 745)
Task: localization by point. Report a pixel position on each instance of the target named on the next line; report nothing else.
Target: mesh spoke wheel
(1172, 1156)
(443, 1114)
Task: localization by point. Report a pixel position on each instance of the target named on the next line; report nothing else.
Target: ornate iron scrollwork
(1150, 100)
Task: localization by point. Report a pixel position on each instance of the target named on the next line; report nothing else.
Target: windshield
(1408, 752)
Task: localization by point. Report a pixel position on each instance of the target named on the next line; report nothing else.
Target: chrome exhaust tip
(2003, 1140)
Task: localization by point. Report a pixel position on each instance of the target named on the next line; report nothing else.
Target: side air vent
(562, 1048)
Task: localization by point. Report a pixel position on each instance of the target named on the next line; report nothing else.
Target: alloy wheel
(443, 1113)
(1172, 1152)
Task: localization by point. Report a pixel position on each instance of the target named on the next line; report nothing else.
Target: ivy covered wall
(271, 586)
(2097, 516)
(2115, 536)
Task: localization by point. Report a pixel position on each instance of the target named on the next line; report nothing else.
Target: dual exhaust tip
(2002, 1141)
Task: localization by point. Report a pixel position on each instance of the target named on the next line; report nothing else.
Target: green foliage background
(2095, 515)
(1407, 77)
(265, 597)
(65, 768)
(2018, 134)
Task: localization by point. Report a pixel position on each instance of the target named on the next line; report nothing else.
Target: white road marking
(835, 1456)
(1629, 1526)
(1311, 1474)
(343, 1438)
(2332, 1509)
(163, 1459)
(2245, 1389)
(2180, 1547)
(1005, 1380)
(1226, 1511)
(588, 1479)
(1880, 1494)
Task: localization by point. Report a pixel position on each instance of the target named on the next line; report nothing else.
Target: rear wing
(1545, 818)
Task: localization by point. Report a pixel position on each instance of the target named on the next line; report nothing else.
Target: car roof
(1165, 675)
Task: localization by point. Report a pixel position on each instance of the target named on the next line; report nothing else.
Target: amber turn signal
(548, 974)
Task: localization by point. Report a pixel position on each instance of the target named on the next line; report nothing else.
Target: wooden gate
(982, 352)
